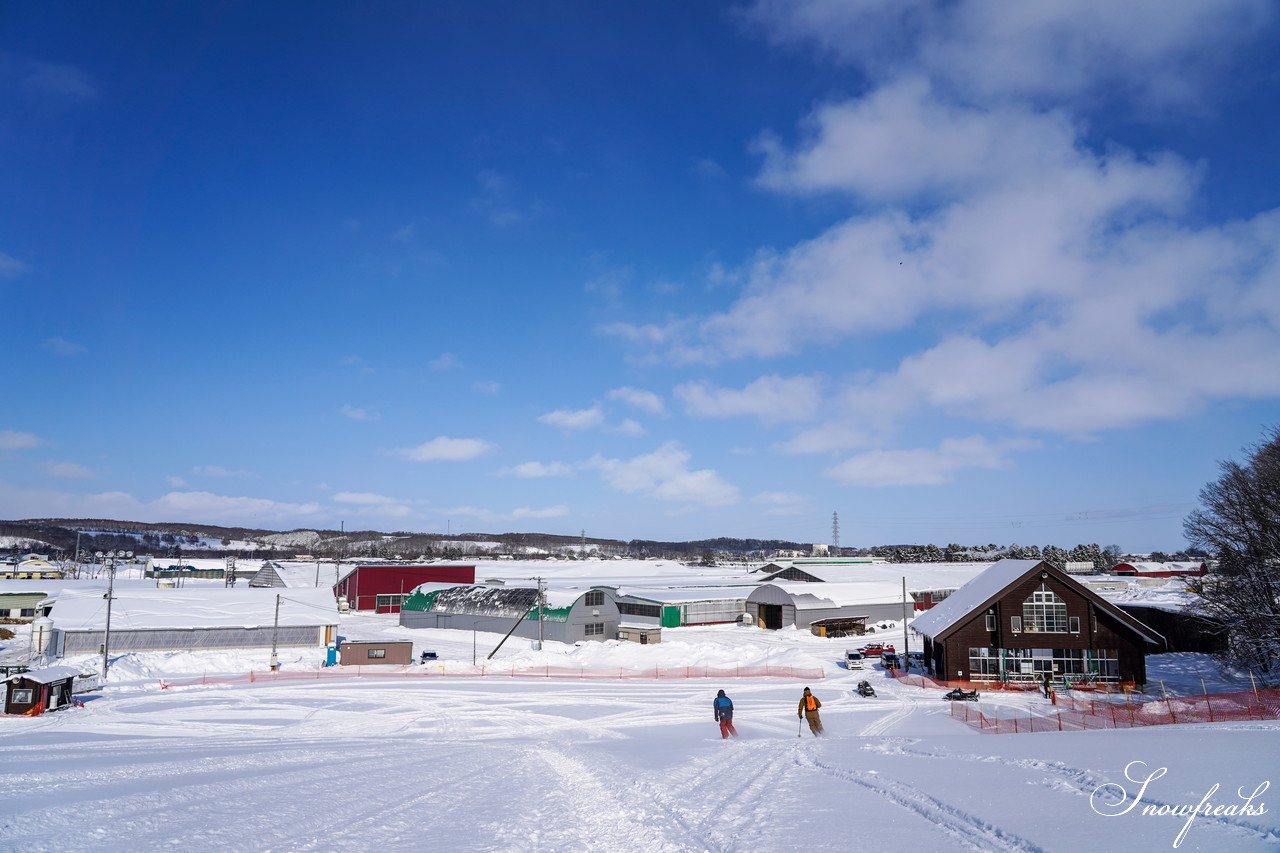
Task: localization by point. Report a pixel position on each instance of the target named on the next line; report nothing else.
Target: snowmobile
(959, 695)
(865, 689)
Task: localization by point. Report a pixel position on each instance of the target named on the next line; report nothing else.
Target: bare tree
(1239, 522)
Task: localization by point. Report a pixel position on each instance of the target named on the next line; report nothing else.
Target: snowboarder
(808, 709)
(723, 707)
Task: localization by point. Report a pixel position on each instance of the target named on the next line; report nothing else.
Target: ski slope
(507, 764)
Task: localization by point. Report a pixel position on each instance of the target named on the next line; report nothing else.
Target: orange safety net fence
(1024, 686)
(1075, 715)
(510, 671)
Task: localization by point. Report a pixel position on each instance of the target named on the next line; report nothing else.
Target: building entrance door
(771, 615)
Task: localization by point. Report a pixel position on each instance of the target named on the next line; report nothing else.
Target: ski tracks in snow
(588, 810)
(967, 829)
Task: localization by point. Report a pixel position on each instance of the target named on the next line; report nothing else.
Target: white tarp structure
(193, 618)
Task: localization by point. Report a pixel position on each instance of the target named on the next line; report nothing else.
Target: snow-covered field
(511, 764)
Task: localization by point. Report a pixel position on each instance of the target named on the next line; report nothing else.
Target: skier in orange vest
(808, 709)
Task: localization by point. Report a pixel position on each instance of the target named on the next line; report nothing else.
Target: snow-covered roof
(684, 595)
(26, 586)
(1156, 568)
(991, 583)
(921, 577)
(823, 596)
(972, 595)
(192, 607)
(48, 675)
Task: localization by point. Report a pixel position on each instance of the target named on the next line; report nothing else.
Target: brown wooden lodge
(1021, 619)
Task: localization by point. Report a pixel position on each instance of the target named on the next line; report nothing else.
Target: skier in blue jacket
(723, 706)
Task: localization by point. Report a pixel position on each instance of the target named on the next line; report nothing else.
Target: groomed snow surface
(527, 764)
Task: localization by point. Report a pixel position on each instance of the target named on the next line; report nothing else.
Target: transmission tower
(835, 534)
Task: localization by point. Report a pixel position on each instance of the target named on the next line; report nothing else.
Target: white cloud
(10, 440)
(70, 470)
(665, 475)
(901, 141)
(497, 200)
(548, 512)
(64, 347)
(1145, 49)
(360, 414)
(65, 82)
(575, 419)
(780, 503)
(646, 401)
(772, 399)
(176, 482)
(446, 449)
(1006, 222)
(924, 466)
(609, 285)
(489, 387)
(363, 498)
(532, 470)
(837, 435)
(445, 361)
(210, 507)
(629, 428)
(372, 505)
(708, 170)
(11, 267)
(218, 471)
(477, 513)
(407, 234)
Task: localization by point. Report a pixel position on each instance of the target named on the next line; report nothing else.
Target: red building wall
(365, 583)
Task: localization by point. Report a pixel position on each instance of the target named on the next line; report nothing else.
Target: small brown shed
(368, 653)
(39, 690)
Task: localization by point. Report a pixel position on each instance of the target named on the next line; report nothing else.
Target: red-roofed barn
(383, 587)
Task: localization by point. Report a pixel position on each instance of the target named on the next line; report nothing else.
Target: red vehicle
(875, 650)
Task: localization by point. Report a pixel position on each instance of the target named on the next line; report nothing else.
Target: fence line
(1077, 715)
(1012, 686)
(509, 671)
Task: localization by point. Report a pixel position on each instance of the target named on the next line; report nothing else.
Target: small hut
(39, 690)
(371, 653)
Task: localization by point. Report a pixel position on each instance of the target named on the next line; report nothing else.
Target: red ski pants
(726, 729)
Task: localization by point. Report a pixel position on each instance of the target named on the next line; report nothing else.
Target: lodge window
(390, 600)
(377, 653)
(991, 620)
(984, 662)
(1073, 624)
(20, 697)
(1044, 612)
(594, 598)
(592, 629)
(1015, 624)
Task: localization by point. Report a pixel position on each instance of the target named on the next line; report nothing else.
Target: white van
(853, 659)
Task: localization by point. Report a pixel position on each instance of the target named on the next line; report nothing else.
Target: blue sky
(961, 272)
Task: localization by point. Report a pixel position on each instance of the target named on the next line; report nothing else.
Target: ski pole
(799, 727)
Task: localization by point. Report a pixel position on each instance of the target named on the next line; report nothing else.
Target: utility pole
(904, 619)
(275, 636)
(835, 534)
(542, 611)
(110, 557)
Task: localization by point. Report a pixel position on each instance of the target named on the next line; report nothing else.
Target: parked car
(916, 659)
(853, 659)
(889, 660)
(875, 650)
